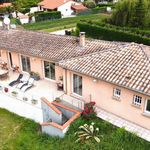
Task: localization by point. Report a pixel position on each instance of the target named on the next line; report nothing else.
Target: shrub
(87, 132)
(89, 111)
(89, 4)
(47, 15)
(111, 34)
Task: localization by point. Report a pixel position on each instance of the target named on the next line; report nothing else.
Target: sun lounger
(16, 81)
(28, 86)
(23, 81)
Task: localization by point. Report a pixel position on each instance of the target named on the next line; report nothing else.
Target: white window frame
(48, 79)
(136, 100)
(148, 112)
(75, 94)
(21, 62)
(115, 92)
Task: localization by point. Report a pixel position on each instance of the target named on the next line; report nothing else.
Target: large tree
(138, 17)
(132, 13)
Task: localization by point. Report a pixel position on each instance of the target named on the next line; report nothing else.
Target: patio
(41, 88)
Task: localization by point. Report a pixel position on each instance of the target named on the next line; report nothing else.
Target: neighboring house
(3, 5)
(23, 19)
(115, 75)
(64, 6)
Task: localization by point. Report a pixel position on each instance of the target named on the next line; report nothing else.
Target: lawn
(53, 25)
(17, 133)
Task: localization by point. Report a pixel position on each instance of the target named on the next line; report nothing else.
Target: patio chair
(16, 81)
(28, 86)
(23, 81)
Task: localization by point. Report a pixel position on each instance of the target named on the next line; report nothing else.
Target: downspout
(66, 81)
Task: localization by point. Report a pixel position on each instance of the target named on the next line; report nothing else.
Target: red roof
(5, 5)
(52, 4)
(79, 7)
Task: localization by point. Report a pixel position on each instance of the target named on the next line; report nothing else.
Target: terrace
(41, 88)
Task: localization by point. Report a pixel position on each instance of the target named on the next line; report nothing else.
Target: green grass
(17, 133)
(53, 25)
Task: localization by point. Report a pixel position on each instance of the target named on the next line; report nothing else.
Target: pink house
(113, 74)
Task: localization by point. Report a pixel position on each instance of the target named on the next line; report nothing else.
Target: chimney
(82, 39)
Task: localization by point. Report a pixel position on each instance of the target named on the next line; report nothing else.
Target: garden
(87, 133)
(129, 22)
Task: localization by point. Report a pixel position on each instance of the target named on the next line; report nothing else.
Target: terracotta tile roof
(5, 5)
(48, 46)
(127, 66)
(52, 4)
(79, 7)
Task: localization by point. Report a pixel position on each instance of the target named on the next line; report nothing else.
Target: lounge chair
(28, 86)
(23, 81)
(16, 81)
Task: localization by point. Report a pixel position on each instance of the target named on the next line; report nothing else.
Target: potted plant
(6, 90)
(35, 75)
(57, 99)
(25, 99)
(34, 101)
(14, 93)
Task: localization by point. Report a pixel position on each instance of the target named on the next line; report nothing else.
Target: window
(49, 70)
(137, 100)
(77, 84)
(147, 109)
(117, 92)
(25, 63)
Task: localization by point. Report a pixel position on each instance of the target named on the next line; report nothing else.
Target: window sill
(116, 98)
(146, 114)
(139, 107)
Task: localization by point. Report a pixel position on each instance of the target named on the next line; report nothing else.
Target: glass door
(10, 59)
(49, 70)
(25, 63)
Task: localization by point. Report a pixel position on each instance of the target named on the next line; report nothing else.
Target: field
(66, 23)
(17, 133)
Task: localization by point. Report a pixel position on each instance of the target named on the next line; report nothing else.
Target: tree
(138, 17)
(122, 13)
(134, 13)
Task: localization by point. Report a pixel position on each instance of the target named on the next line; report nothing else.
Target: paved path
(120, 122)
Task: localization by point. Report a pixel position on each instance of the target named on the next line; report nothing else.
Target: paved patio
(122, 123)
(41, 88)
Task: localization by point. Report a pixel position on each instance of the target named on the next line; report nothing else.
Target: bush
(111, 34)
(89, 111)
(89, 4)
(47, 15)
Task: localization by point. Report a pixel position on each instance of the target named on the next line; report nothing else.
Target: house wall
(102, 93)
(35, 62)
(34, 9)
(58, 72)
(24, 20)
(4, 56)
(66, 8)
(37, 66)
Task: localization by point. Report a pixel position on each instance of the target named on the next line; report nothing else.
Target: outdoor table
(3, 74)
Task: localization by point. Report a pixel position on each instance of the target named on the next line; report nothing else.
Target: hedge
(41, 16)
(111, 34)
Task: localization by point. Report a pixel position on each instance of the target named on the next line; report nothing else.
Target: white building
(64, 6)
